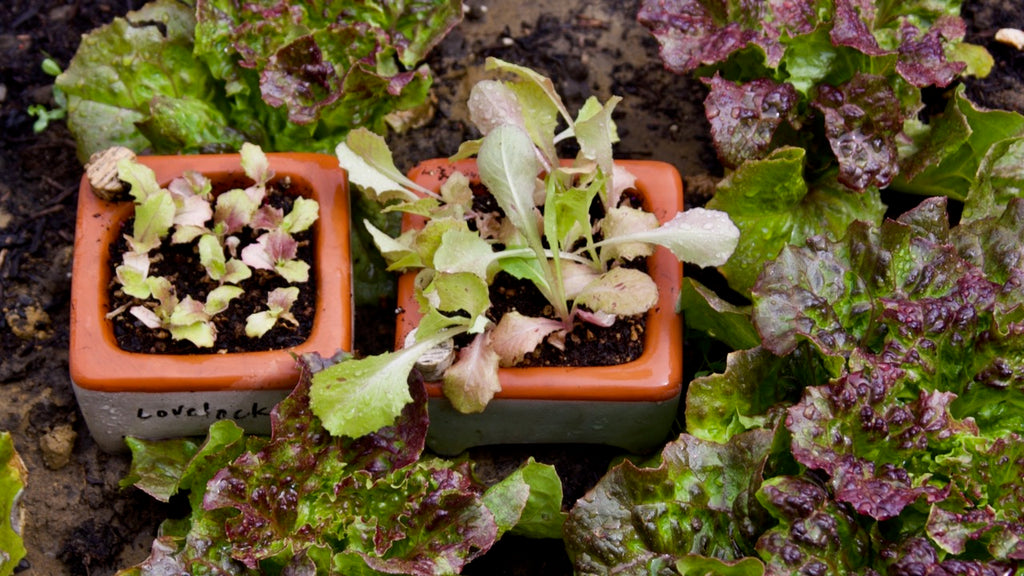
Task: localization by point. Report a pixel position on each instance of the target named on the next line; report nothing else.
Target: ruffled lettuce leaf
(814, 534)
(774, 206)
(137, 78)
(697, 500)
(347, 64)
(754, 392)
(946, 154)
(805, 60)
(695, 33)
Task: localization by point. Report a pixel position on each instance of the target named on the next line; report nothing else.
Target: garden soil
(79, 520)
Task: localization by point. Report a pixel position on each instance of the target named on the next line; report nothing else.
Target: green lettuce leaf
(946, 157)
(140, 70)
(706, 312)
(754, 392)
(528, 502)
(698, 500)
(13, 476)
(773, 206)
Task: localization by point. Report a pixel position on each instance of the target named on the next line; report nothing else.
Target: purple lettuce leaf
(347, 64)
(929, 408)
(744, 117)
(423, 519)
(944, 304)
(917, 556)
(859, 431)
(922, 62)
(698, 500)
(693, 33)
(862, 119)
(814, 535)
(850, 27)
(859, 64)
(303, 502)
(902, 278)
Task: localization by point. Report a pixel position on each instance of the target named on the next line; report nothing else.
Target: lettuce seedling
(185, 212)
(277, 249)
(185, 319)
(544, 234)
(279, 307)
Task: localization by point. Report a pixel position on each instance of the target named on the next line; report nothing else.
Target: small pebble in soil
(1012, 37)
(57, 445)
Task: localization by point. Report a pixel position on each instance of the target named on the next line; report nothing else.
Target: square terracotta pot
(631, 405)
(159, 395)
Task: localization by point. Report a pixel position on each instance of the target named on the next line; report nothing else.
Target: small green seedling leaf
(154, 217)
(133, 273)
(359, 396)
(303, 214)
(255, 164)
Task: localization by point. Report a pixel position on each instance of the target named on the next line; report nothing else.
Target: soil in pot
(586, 344)
(180, 264)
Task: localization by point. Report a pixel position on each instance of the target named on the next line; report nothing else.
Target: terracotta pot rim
(96, 361)
(653, 377)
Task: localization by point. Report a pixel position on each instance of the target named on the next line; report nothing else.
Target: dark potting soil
(180, 264)
(585, 345)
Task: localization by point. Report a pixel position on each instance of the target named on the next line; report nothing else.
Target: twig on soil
(50, 210)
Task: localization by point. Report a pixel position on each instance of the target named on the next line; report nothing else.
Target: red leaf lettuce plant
(186, 212)
(815, 106)
(545, 236)
(869, 418)
(877, 427)
(306, 502)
